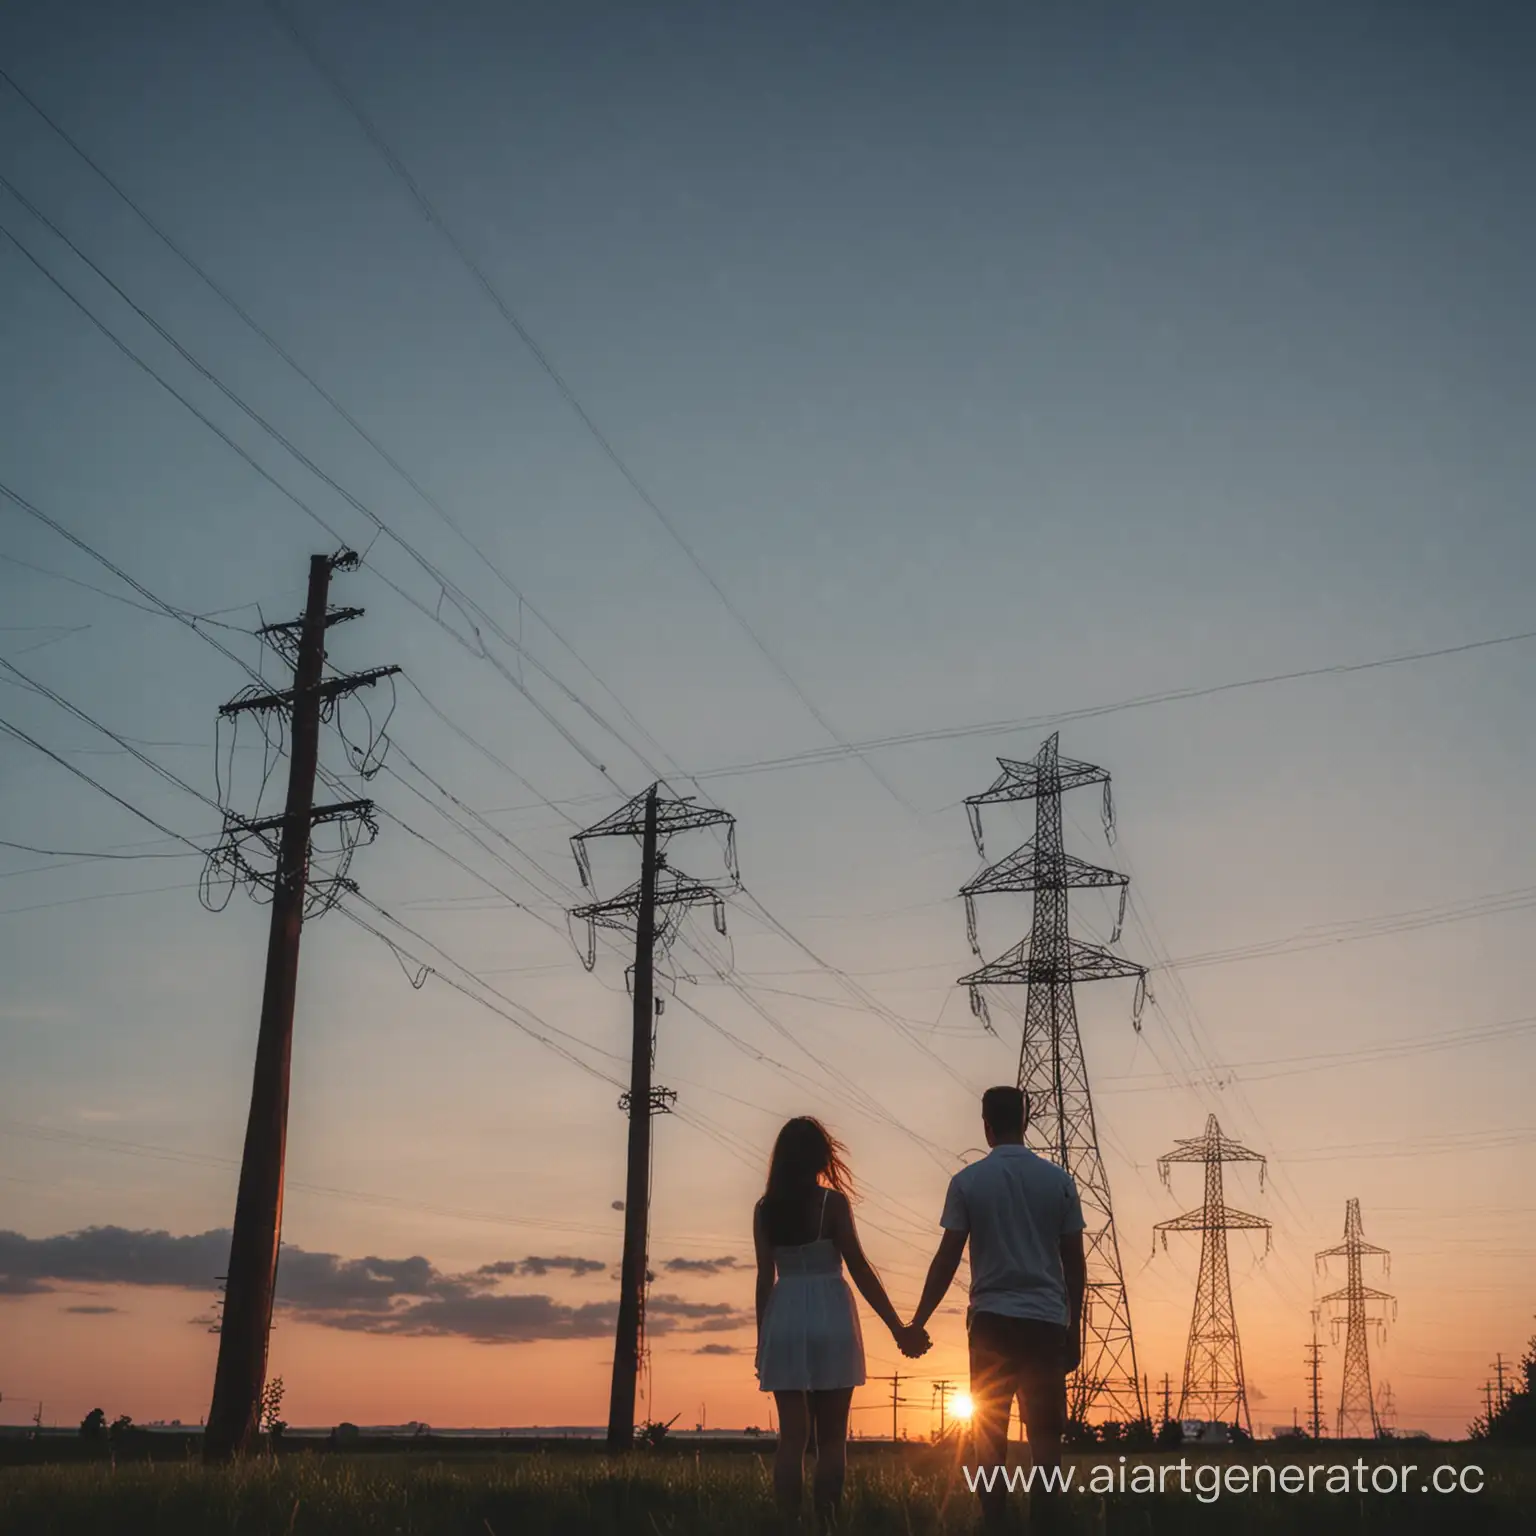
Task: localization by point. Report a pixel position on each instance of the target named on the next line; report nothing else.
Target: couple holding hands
(1023, 1221)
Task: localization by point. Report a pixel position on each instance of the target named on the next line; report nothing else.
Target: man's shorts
(1019, 1357)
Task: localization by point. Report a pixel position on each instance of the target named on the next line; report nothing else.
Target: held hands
(912, 1342)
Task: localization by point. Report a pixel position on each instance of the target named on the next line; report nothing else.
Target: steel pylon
(1214, 1388)
(1052, 1069)
(1358, 1417)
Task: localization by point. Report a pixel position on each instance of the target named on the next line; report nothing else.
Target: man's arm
(1074, 1266)
(940, 1273)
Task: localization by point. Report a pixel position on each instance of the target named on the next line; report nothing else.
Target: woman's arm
(764, 1265)
(846, 1235)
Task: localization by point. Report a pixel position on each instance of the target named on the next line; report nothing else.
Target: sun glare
(962, 1407)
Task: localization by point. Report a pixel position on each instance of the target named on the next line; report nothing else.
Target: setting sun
(962, 1406)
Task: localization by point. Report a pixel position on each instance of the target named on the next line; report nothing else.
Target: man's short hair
(1004, 1110)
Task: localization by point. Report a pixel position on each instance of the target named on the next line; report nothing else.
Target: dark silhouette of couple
(1023, 1222)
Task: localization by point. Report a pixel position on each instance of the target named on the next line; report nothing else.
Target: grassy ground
(919, 1494)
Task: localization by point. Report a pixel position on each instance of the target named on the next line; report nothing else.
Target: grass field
(921, 1492)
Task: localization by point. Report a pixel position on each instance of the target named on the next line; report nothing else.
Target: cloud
(489, 1317)
(722, 1324)
(717, 1349)
(701, 1266)
(401, 1296)
(1255, 1394)
(93, 1311)
(20, 1285)
(677, 1307)
(112, 1255)
(317, 1282)
(534, 1265)
(486, 1319)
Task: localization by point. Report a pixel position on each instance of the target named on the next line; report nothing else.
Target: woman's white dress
(810, 1339)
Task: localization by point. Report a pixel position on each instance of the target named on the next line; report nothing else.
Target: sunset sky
(967, 366)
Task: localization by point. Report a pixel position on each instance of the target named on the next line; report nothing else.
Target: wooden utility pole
(637, 1196)
(1167, 1398)
(247, 1318)
(652, 818)
(895, 1379)
(895, 1401)
(942, 1389)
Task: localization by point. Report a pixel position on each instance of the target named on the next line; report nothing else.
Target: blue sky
(993, 364)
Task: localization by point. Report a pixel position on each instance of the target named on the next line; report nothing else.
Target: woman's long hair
(806, 1157)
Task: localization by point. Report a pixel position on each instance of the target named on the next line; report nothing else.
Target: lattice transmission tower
(1214, 1388)
(1052, 1069)
(1358, 1417)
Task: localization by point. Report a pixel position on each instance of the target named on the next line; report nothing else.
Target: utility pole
(1213, 1361)
(1167, 1399)
(895, 1379)
(659, 888)
(1357, 1407)
(1315, 1371)
(247, 1316)
(1499, 1378)
(1487, 1402)
(1053, 1071)
(942, 1389)
(637, 1192)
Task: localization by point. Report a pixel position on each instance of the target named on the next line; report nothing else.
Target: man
(1024, 1222)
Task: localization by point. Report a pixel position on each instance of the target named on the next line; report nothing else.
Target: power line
(79, 773)
(122, 741)
(75, 901)
(46, 1133)
(376, 138)
(1353, 930)
(383, 453)
(447, 587)
(1327, 1061)
(1061, 717)
(155, 604)
(74, 853)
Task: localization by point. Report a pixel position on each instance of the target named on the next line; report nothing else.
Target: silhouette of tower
(1357, 1408)
(1052, 1070)
(1213, 1362)
(1386, 1408)
(1315, 1377)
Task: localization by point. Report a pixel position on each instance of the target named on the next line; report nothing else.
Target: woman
(810, 1353)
